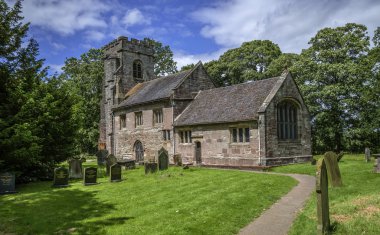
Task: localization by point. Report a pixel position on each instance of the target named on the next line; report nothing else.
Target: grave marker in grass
(327, 170)
(90, 176)
(61, 177)
(115, 173)
(163, 159)
(7, 183)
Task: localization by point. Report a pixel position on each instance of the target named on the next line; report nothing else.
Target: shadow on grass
(57, 211)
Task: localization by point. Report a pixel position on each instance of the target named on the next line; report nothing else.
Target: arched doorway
(198, 153)
(139, 152)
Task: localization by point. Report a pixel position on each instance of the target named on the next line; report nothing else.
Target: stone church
(257, 123)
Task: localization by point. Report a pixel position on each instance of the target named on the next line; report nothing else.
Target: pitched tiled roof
(156, 89)
(227, 104)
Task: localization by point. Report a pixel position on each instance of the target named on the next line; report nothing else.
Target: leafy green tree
(284, 61)
(187, 67)
(163, 59)
(34, 118)
(333, 74)
(83, 80)
(248, 62)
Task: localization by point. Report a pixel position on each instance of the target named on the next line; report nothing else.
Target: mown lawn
(354, 208)
(176, 201)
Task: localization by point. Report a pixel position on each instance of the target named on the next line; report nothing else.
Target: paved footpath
(278, 219)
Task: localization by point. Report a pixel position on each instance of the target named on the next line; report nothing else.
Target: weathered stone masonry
(228, 126)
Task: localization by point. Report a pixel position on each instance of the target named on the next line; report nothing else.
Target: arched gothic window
(137, 69)
(286, 121)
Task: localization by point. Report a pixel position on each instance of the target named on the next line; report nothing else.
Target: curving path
(278, 219)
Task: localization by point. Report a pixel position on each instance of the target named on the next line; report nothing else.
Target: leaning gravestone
(75, 167)
(61, 177)
(163, 159)
(367, 155)
(110, 160)
(7, 183)
(115, 173)
(90, 175)
(326, 167)
(101, 156)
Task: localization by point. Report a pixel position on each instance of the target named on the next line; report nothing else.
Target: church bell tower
(126, 63)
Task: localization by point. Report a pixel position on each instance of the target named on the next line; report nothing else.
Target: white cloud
(93, 35)
(135, 17)
(289, 23)
(58, 46)
(65, 17)
(183, 59)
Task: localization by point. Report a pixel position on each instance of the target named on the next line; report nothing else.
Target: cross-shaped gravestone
(7, 183)
(163, 159)
(327, 167)
(61, 177)
(90, 175)
(115, 173)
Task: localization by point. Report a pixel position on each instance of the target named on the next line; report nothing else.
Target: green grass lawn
(354, 208)
(176, 201)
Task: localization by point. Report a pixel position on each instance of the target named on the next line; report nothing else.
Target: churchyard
(174, 201)
(187, 201)
(354, 207)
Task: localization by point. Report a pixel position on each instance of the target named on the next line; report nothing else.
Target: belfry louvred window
(286, 121)
(137, 69)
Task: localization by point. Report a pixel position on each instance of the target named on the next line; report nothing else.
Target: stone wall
(216, 146)
(149, 134)
(287, 151)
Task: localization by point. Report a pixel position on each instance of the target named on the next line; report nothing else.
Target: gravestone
(177, 159)
(163, 159)
(7, 183)
(101, 157)
(340, 156)
(90, 175)
(376, 168)
(75, 167)
(326, 167)
(61, 177)
(150, 167)
(110, 160)
(367, 155)
(115, 173)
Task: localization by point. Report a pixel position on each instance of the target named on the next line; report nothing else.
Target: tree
(284, 61)
(83, 80)
(187, 67)
(163, 59)
(34, 130)
(333, 74)
(248, 62)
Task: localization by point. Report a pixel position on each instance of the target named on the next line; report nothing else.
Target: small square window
(185, 136)
(240, 135)
(166, 134)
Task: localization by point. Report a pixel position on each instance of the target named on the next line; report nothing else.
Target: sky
(195, 30)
